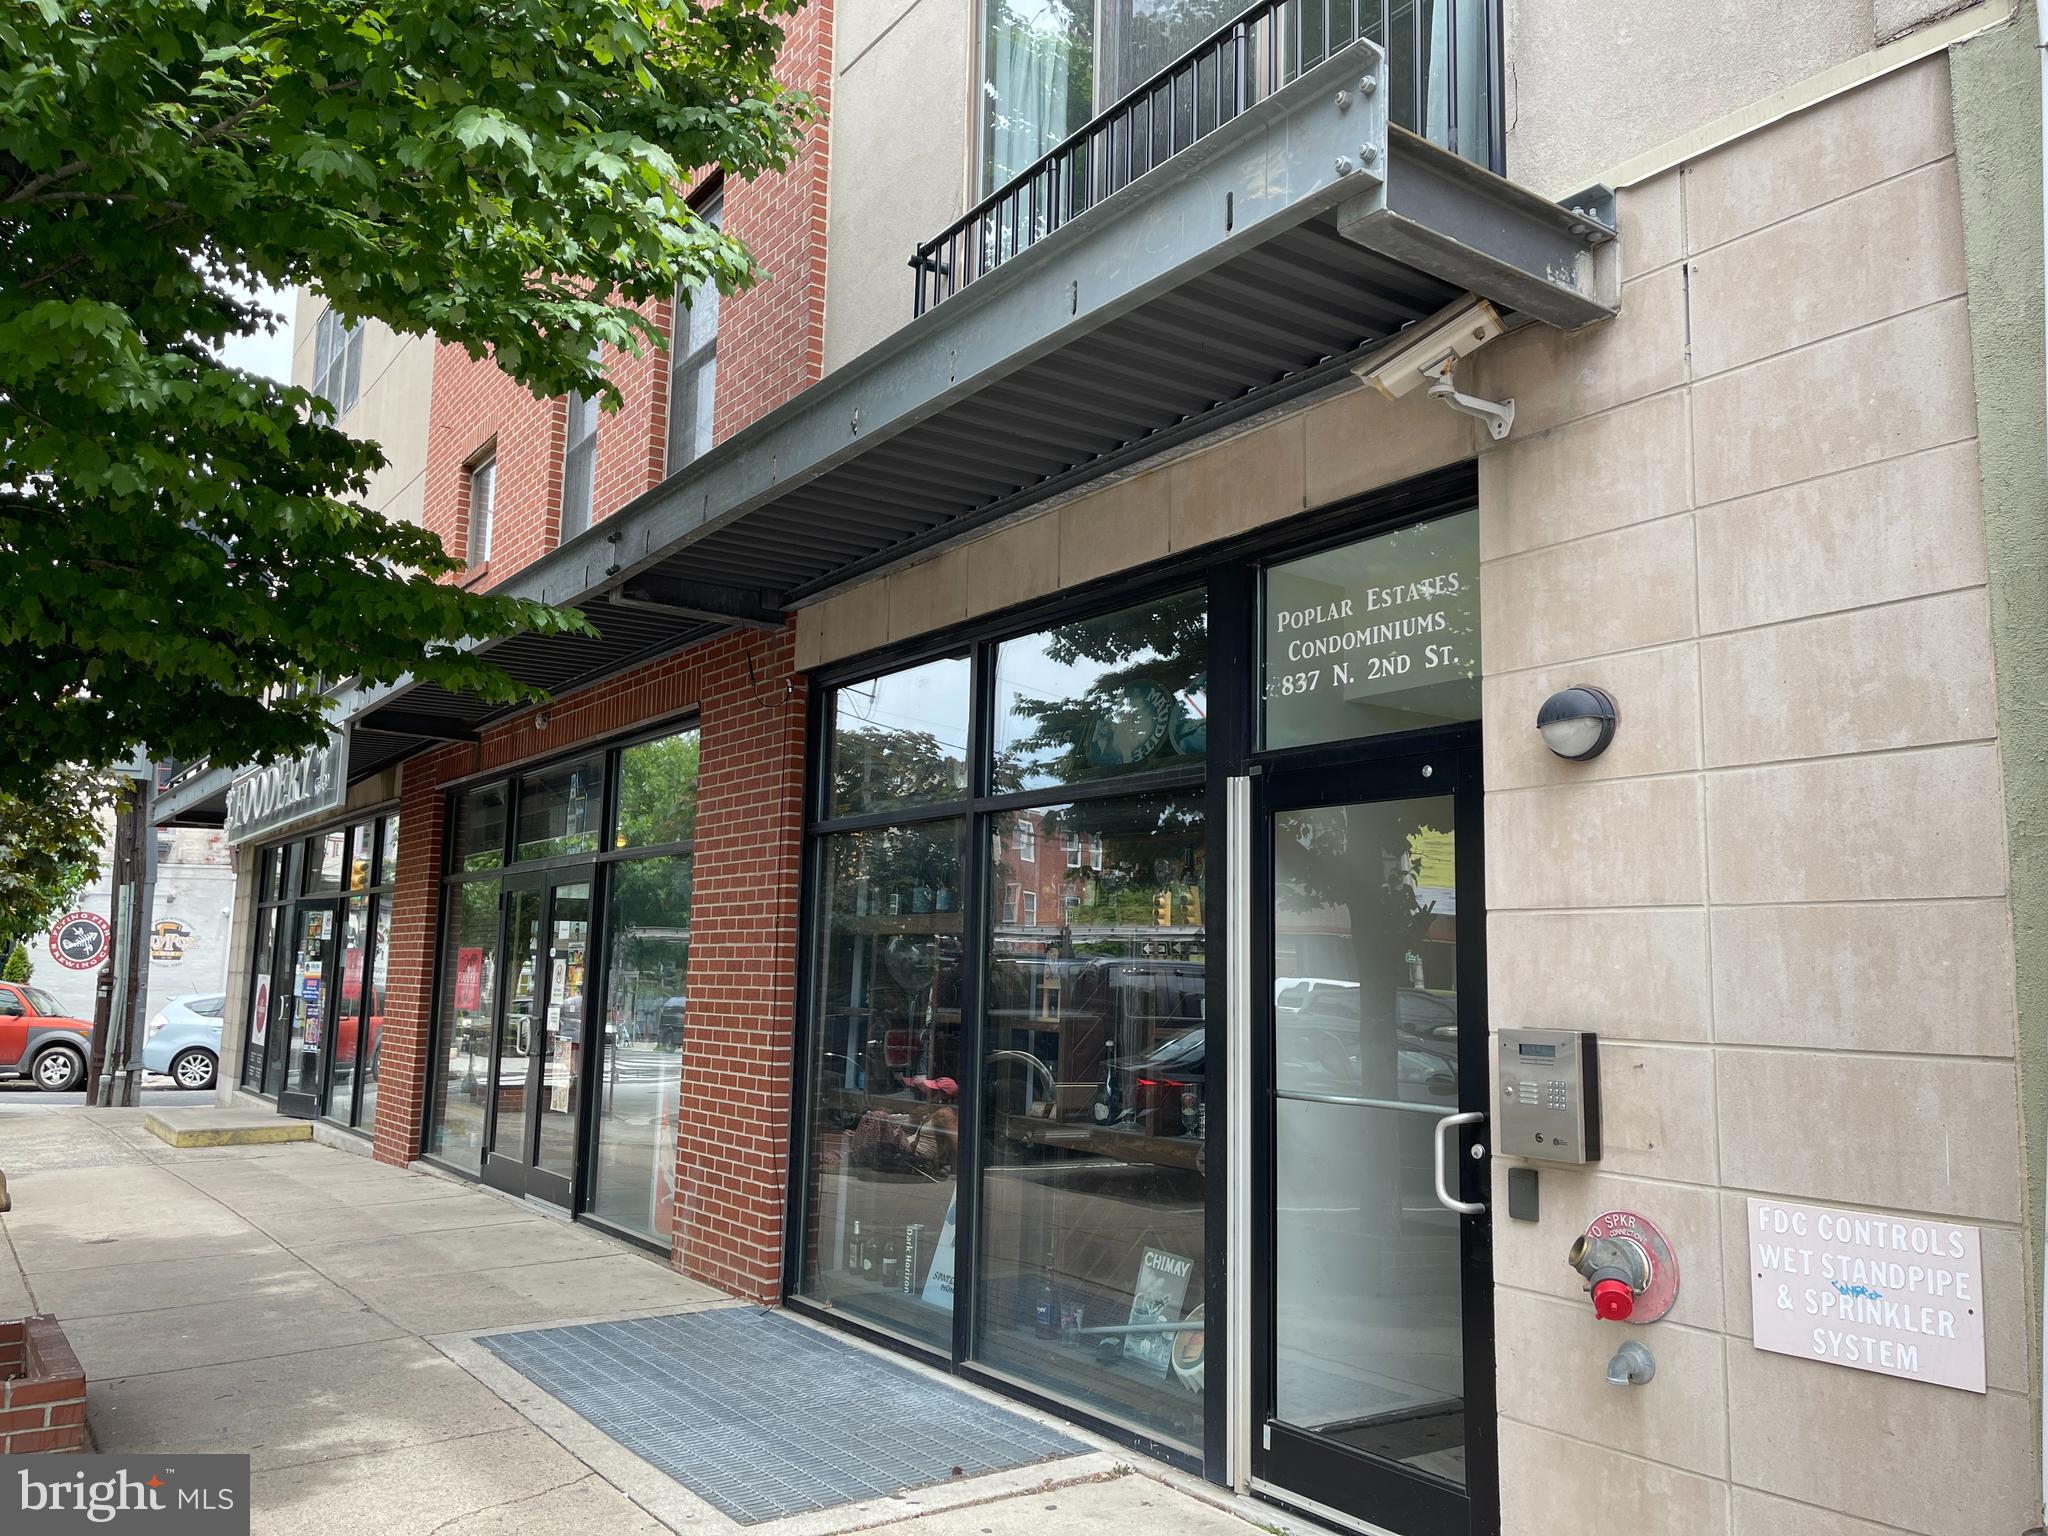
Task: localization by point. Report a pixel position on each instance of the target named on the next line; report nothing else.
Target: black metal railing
(1266, 47)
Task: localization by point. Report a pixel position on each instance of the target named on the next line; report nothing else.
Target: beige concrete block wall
(1584, 94)
(1750, 510)
(390, 409)
(901, 144)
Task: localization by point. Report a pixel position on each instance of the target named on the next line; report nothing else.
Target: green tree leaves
(177, 540)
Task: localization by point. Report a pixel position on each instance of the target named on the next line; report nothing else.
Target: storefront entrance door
(540, 1049)
(306, 1007)
(1373, 1347)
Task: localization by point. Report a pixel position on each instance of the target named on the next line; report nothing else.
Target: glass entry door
(540, 1051)
(1373, 1248)
(305, 1006)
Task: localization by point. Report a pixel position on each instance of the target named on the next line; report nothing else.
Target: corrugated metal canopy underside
(1249, 270)
(1275, 321)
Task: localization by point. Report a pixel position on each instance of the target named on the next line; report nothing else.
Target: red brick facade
(771, 344)
(42, 1389)
(771, 339)
(732, 1148)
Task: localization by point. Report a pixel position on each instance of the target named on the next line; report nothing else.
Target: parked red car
(39, 1041)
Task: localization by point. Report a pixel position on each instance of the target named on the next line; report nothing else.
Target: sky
(272, 354)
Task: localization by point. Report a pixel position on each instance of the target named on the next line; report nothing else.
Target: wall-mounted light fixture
(1577, 723)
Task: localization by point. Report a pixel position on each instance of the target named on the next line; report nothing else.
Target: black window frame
(1231, 572)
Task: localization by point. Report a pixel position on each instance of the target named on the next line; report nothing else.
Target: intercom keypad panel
(1549, 1095)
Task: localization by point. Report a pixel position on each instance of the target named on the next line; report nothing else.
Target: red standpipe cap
(1613, 1300)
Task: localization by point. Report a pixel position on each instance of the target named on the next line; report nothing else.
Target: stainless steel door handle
(1444, 1196)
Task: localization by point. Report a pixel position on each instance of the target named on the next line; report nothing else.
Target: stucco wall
(1749, 508)
(1588, 87)
(900, 126)
(195, 887)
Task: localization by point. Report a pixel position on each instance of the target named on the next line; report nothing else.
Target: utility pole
(142, 864)
(115, 1072)
(107, 984)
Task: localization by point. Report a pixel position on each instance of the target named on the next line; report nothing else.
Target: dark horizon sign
(288, 790)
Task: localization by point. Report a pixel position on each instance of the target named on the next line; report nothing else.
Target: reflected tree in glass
(658, 791)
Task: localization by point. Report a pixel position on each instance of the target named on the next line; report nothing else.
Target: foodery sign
(1875, 1293)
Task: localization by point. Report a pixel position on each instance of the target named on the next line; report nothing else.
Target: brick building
(1387, 651)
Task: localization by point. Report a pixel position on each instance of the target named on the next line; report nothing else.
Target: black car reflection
(1164, 1093)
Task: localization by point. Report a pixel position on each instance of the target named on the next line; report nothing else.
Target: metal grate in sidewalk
(762, 1417)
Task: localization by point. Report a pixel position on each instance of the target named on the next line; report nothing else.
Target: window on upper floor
(337, 360)
(693, 363)
(483, 495)
(1047, 66)
(579, 460)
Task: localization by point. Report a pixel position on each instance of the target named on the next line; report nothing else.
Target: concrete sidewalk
(318, 1311)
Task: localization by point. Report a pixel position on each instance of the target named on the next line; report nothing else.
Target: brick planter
(42, 1388)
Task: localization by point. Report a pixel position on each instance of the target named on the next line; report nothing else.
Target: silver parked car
(183, 1041)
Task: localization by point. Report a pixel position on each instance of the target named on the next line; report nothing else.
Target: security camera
(1432, 359)
(1449, 334)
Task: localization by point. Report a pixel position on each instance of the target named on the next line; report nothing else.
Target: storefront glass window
(373, 1037)
(469, 982)
(324, 862)
(1093, 1195)
(638, 1095)
(561, 809)
(355, 942)
(900, 739)
(1374, 637)
(480, 829)
(885, 1079)
(1113, 694)
(387, 852)
(1088, 985)
(658, 792)
(362, 849)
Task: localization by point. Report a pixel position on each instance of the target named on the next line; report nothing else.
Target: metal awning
(1256, 265)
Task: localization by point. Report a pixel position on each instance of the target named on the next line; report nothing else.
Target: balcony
(1440, 80)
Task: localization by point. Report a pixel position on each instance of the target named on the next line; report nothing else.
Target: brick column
(409, 982)
(732, 1151)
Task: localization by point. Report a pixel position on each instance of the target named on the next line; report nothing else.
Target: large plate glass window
(646, 988)
(900, 739)
(460, 1070)
(559, 810)
(1102, 697)
(1096, 1111)
(885, 1077)
(359, 1003)
(1069, 1022)
(1374, 637)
